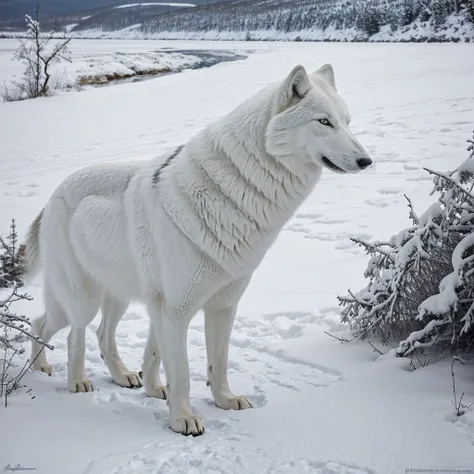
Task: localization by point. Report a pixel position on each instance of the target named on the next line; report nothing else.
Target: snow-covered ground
(99, 61)
(320, 406)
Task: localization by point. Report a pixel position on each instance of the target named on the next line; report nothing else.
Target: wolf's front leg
(218, 327)
(171, 328)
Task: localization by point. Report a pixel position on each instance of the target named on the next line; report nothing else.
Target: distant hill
(421, 20)
(56, 12)
(292, 20)
(123, 16)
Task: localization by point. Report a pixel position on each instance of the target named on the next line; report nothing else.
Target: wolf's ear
(295, 86)
(326, 72)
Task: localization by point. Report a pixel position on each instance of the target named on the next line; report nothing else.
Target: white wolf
(184, 232)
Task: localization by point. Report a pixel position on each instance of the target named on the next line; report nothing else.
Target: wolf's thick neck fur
(231, 189)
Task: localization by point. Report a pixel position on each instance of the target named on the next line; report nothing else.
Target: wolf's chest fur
(230, 201)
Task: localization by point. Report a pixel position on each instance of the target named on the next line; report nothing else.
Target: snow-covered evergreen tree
(10, 259)
(293, 16)
(15, 329)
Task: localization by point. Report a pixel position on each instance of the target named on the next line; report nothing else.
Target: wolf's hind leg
(45, 327)
(112, 312)
(83, 307)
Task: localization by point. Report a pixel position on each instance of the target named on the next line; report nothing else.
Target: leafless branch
(451, 180)
(7, 321)
(375, 247)
(375, 349)
(413, 216)
(340, 339)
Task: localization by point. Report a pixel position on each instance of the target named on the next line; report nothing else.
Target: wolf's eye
(325, 122)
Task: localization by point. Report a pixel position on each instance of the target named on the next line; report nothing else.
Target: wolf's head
(311, 123)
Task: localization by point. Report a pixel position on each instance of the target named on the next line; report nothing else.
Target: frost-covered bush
(421, 281)
(470, 9)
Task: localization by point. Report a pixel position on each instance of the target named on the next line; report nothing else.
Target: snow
(96, 63)
(435, 211)
(69, 28)
(320, 406)
(158, 4)
(413, 339)
(125, 65)
(455, 28)
(467, 166)
(349, 34)
(459, 257)
(440, 303)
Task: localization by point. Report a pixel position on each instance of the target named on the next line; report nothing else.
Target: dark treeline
(247, 16)
(296, 15)
(118, 18)
(59, 12)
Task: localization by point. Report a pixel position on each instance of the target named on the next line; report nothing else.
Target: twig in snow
(340, 339)
(459, 407)
(375, 349)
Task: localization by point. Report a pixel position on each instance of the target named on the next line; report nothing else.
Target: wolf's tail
(29, 252)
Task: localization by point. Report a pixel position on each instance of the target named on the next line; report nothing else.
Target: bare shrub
(38, 53)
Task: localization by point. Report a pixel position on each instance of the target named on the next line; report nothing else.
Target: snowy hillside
(126, 15)
(301, 20)
(321, 407)
(58, 13)
(326, 19)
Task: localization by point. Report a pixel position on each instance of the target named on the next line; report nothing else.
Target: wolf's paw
(188, 425)
(128, 379)
(77, 386)
(234, 403)
(156, 391)
(46, 368)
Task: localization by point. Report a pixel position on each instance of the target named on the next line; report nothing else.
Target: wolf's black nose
(364, 163)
